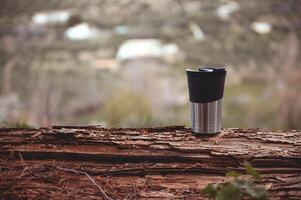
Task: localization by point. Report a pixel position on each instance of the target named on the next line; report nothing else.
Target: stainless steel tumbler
(206, 90)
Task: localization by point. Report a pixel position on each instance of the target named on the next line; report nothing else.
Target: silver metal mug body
(206, 118)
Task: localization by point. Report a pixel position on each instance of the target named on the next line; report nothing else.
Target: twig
(8, 173)
(187, 168)
(22, 159)
(90, 178)
(52, 167)
(144, 186)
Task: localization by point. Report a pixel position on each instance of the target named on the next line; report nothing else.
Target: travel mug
(206, 91)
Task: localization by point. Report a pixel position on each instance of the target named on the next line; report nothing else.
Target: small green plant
(128, 108)
(238, 187)
(17, 124)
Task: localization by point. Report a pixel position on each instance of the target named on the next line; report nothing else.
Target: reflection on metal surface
(206, 117)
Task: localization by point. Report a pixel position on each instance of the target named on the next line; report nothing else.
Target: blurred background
(122, 63)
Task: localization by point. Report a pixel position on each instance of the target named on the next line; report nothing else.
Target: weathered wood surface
(154, 163)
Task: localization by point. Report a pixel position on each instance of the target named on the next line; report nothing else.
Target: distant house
(224, 11)
(51, 17)
(145, 48)
(82, 31)
(261, 27)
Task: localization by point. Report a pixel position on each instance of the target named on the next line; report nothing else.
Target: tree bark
(147, 163)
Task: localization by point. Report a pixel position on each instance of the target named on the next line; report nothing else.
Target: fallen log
(91, 162)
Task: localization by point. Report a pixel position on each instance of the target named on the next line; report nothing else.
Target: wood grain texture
(144, 163)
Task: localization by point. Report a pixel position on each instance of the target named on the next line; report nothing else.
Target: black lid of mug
(206, 84)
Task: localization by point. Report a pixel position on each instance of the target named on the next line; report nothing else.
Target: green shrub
(238, 187)
(128, 108)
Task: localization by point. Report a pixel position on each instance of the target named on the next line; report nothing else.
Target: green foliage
(211, 190)
(233, 174)
(251, 171)
(238, 187)
(17, 124)
(229, 191)
(128, 108)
